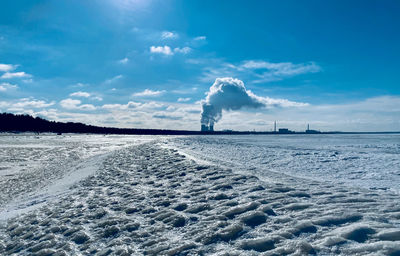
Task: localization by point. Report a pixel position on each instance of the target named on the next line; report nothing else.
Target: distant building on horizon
(311, 131)
(285, 131)
(282, 130)
(207, 128)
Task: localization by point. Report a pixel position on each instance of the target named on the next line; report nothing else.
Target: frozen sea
(200, 195)
(369, 161)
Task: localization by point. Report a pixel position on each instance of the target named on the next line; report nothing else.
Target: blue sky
(137, 63)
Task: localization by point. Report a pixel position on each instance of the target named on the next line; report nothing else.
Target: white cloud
(152, 105)
(114, 106)
(130, 104)
(79, 85)
(113, 79)
(282, 67)
(86, 95)
(98, 98)
(9, 75)
(28, 102)
(80, 94)
(72, 104)
(166, 50)
(184, 50)
(256, 71)
(4, 104)
(151, 114)
(7, 86)
(167, 115)
(148, 93)
(168, 35)
(138, 107)
(7, 67)
(123, 61)
(200, 38)
(277, 71)
(183, 99)
(88, 107)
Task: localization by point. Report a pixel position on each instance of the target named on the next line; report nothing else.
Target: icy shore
(30, 164)
(148, 200)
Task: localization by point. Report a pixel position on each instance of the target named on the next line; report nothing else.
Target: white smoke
(228, 93)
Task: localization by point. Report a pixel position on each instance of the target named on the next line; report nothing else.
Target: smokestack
(204, 128)
(211, 128)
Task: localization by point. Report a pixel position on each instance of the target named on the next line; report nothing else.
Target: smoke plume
(226, 94)
(230, 94)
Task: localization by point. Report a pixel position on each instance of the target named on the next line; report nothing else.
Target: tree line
(27, 123)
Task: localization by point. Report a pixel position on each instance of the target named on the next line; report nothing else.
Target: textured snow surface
(363, 160)
(152, 200)
(35, 168)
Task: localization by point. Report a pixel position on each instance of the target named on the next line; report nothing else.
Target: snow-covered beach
(138, 195)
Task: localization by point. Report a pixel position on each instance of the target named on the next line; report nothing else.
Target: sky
(153, 64)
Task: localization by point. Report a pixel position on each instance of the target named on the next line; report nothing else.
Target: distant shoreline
(179, 133)
(16, 124)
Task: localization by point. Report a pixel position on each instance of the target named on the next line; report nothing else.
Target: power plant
(207, 128)
(210, 128)
(308, 131)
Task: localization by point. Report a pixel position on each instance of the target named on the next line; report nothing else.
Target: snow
(141, 196)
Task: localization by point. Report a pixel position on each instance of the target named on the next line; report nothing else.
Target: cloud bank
(7, 86)
(7, 67)
(9, 75)
(72, 104)
(258, 71)
(230, 94)
(148, 93)
(168, 51)
(80, 94)
(168, 35)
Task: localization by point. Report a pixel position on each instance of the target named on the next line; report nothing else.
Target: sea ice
(150, 200)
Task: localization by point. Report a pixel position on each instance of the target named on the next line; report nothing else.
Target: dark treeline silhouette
(26, 123)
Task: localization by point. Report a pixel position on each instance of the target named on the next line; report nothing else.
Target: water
(369, 161)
